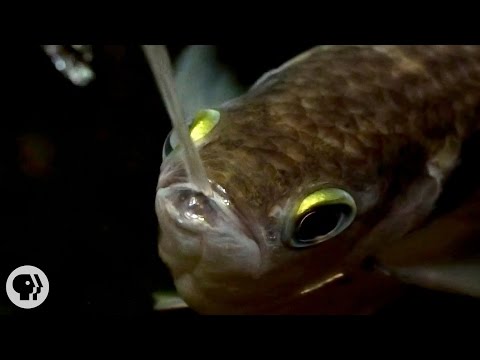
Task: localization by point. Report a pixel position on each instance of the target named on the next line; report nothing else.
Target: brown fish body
(351, 113)
(385, 123)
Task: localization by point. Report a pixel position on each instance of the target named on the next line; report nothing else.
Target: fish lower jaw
(186, 287)
(216, 300)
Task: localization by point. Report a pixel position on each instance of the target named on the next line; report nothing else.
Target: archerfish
(323, 188)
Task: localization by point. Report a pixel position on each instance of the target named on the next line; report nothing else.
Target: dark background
(78, 171)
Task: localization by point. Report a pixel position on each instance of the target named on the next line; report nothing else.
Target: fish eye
(201, 125)
(320, 216)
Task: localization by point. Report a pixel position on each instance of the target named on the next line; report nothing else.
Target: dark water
(78, 170)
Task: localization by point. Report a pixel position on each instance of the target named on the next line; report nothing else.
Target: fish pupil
(320, 221)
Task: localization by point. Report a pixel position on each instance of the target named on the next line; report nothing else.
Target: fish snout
(189, 208)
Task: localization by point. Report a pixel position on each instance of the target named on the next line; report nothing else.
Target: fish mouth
(173, 174)
(221, 222)
(208, 261)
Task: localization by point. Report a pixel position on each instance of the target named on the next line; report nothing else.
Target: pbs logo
(27, 287)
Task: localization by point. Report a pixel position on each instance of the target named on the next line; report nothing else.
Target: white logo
(27, 287)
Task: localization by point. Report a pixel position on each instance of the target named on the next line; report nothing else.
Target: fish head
(314, 173)
(286, 212)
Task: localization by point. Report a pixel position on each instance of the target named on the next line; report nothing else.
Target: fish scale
(346, 62)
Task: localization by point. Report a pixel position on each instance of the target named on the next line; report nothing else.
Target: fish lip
(170, 258)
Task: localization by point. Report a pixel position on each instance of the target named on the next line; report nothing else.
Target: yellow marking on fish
(323, 196)
(204, 122)
(322, 283)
